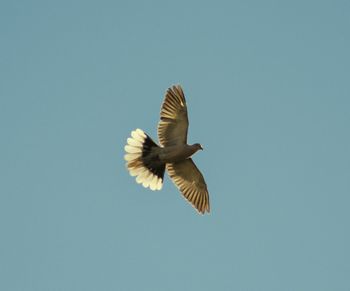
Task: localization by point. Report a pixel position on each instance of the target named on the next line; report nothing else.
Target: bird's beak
(201, 147)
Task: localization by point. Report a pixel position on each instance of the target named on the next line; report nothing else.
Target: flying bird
(147, 161)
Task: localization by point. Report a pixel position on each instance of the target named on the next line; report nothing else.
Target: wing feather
(190, 182)
(173, 124)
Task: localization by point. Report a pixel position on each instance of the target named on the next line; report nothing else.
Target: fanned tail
(142, 162)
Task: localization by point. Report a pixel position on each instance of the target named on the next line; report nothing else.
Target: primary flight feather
(148, 161)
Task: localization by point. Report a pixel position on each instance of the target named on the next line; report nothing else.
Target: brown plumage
(147, 161)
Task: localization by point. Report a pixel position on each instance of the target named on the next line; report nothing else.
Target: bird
(147, 161)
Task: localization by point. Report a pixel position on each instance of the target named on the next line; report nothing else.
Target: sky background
(268, 93)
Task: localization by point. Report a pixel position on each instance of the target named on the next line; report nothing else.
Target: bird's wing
(173, 124)
(190, 182)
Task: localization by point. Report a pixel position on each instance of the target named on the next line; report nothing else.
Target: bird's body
(147, 161)
(173, 154)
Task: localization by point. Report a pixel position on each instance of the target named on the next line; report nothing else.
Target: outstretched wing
(173, 124)
(190, 182)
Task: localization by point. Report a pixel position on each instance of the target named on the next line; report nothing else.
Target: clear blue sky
(268, 92)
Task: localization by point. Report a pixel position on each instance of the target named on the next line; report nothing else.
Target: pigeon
(147, 161)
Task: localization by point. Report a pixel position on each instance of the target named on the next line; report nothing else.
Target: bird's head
(198, 146)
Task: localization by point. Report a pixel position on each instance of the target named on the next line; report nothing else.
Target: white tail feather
(132, 150)
(134, 162)
(134, 142)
